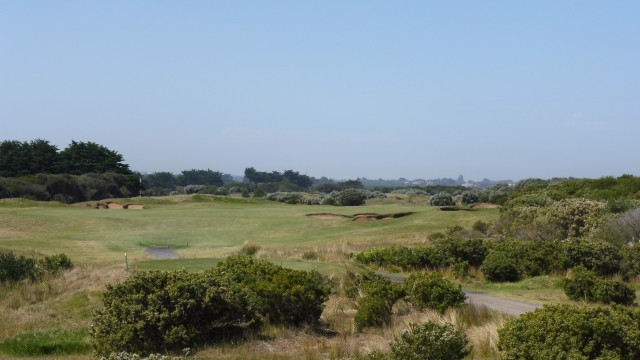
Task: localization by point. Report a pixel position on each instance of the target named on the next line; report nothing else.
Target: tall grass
(48, 342)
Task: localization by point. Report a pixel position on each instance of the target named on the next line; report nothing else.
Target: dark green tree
(88, 157)
(14, 159)
(200, 177)
(160, 180)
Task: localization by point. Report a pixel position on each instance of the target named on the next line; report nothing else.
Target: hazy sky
(344, 89)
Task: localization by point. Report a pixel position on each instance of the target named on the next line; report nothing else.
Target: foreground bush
(433, 291)
(572, 332)
(373, 296)
(500, 267)
(585, 285)
(168, 311)
(430, 341)
(278, 294)
(599, 256)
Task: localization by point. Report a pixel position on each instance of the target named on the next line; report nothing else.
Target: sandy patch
(485, 206)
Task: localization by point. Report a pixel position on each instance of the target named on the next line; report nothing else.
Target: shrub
(250, 249)
(441, 199)
(624, 229)
(499, 266)
(407, 258)
(599, 256)
(630, 262)
(430, 341)
(472, 251)
(576, 217)
(55, 263)
(279, 294)
(351, 197)
(15, 268)
(572, 332)
(481, 227)
(433, 291)
(469, 197)
(372, 311)
(374, 296)
(167, 311)
(585, 285)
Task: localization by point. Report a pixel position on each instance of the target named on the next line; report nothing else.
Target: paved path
(507, 306)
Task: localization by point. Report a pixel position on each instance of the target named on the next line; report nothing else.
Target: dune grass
(49, 342)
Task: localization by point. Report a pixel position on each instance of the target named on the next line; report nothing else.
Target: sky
(343, 89)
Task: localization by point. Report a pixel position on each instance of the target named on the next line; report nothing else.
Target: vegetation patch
(50, 342)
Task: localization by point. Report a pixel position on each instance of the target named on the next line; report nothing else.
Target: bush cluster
(572, 332)
(347, 197)
(446, 252)
(430, 341)
(16, 268)
(511, 260)
(70, 188)
(168, 311)
(585, 285)
(433, 291)
(373, 296)
(441, 199)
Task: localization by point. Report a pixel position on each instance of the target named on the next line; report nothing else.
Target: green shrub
(372, 311)
(572, 332)
(433, 291)
(441, 199)
(472, 251)
(481, 227)
(430, 341)
(373, 296)
(279, 294)
(168, 311)
(469, 197)
(585, 285)
(460, 269)
(630, 262)
(56, 263)
(406, 258)
(15, 268)
(351, 197)
(500, 266)
(599, 256)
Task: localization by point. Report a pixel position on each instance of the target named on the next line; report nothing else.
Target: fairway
(201, 229)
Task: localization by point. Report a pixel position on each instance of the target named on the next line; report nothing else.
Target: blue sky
(344, 89)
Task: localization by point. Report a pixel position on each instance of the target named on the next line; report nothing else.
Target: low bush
(433, 291)
(373, 296)
(278, 294)
(15, 268)
(55, 263)
(585, 285)
(430, 341)
(441, 199)
(572, 332)
(469, 197)
(500, 266)
(168, 311)
(472, 251)
(599, 256)
(406, 258)
(351, 197)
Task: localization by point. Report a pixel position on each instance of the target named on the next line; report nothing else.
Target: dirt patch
(161, 252)
(4, 233)
(373, 216)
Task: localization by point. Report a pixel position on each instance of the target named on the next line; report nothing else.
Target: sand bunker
(485, 206)
(359, 217)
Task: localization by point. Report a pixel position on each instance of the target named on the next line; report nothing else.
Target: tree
(14, 160)
(200, 177)
(42, 156)
(160, 180)
(88, 157)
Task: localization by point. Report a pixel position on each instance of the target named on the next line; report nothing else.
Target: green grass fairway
(202, 228)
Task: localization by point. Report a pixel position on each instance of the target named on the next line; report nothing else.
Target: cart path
(511, 307)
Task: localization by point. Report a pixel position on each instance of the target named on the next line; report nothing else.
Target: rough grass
(50, 342)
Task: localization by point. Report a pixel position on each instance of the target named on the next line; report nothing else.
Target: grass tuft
(49, 342)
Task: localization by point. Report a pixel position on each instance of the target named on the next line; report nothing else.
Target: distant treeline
(40, 157)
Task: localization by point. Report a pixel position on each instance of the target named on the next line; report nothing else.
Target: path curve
(511, 307)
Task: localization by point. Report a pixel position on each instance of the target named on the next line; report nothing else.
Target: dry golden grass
(62, 302)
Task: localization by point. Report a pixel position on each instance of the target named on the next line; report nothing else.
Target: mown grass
(538, 289)
(213, 226)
